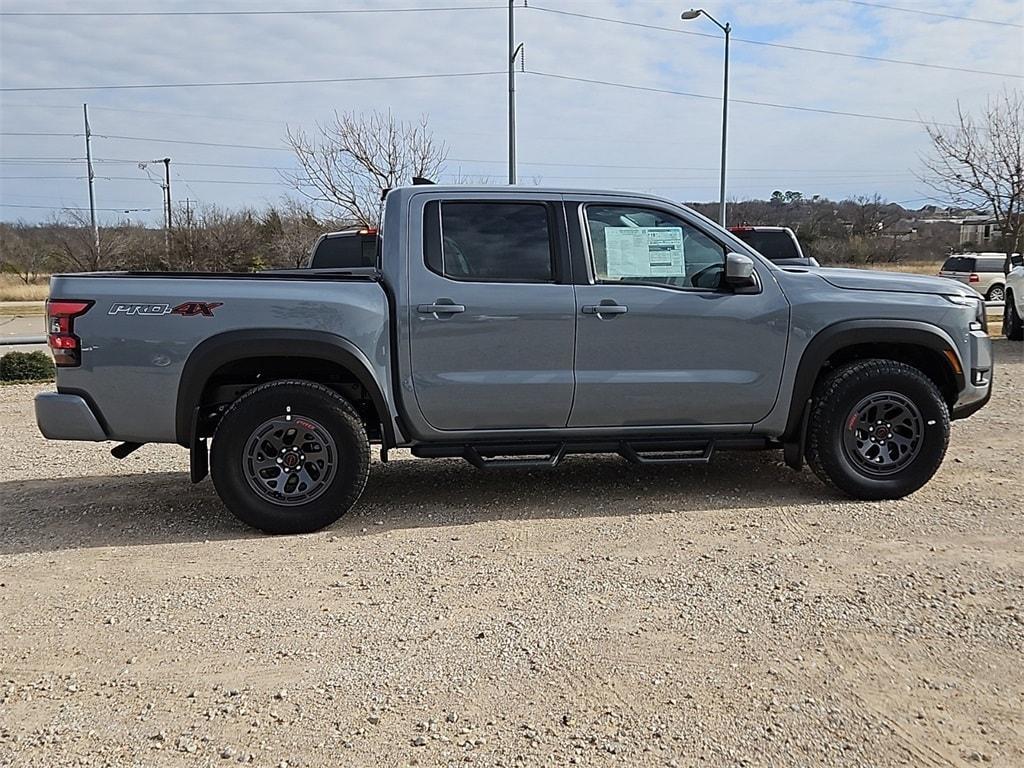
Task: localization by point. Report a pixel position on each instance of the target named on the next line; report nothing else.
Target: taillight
(60, 325)
(973, 278)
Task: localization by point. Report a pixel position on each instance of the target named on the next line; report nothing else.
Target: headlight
(980, 322)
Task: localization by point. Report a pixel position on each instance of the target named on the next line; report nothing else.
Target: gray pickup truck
(511, 327)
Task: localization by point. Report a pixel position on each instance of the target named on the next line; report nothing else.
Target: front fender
(830, 340)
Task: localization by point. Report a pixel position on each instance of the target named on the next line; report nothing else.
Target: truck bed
(144, 327)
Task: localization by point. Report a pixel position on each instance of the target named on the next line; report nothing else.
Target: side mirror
(739, 272)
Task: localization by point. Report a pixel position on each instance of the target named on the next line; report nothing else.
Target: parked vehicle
(982, 271)
(777, 244)
(1013, 308)
(510, 327)
(344, 250)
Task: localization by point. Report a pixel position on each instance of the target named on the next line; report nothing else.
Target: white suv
(982, 271)
(1013, 309)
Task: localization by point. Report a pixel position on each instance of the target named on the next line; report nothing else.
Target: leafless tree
(77, 245)
(290, 231)
(979, 163)
(348, 162)
(25, 253)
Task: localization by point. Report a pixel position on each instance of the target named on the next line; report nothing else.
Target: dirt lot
(599, 614)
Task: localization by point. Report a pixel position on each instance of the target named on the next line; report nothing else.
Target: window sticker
(645, 252)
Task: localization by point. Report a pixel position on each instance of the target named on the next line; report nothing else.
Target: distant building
(979, 231)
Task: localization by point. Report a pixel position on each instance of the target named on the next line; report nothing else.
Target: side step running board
(545, 456)
(696, 455)
(472, 455)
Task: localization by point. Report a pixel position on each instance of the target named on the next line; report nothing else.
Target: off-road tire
(335, 419)
(832, 414)
(1013, 325)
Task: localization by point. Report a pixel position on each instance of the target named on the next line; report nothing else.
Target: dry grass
(913, 267)
(13, 289)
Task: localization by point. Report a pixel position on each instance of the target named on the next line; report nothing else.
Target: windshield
(774, 245)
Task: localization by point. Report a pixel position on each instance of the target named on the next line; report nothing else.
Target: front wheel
(878, 429)
(290, 457)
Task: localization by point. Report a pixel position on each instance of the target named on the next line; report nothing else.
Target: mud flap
(198, 452)
(793, 452)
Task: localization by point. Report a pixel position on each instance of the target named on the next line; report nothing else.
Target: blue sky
(570, 133)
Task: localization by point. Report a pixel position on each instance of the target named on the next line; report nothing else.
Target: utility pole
(92, 176)
(512, 51)
(167, 196)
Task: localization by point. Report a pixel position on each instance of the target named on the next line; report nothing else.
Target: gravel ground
(599, 614)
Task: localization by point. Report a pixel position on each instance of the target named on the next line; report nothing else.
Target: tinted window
(488, 241)
(959, 264)
(346, 251)
(772, 245)
(991, 265)
(645, 245)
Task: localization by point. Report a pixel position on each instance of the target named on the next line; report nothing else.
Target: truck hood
(898, 282)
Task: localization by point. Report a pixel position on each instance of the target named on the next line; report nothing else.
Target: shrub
(26, 366)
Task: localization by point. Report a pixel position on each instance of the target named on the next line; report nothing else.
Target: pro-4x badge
(185, 309)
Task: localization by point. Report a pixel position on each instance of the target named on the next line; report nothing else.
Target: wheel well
(930, 362)
(228, 382)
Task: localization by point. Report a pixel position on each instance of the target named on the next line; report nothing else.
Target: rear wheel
(996, 293)
(1013, 326)
(878, 429)
(290, 457)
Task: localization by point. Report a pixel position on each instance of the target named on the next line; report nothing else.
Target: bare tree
(979, 163)
(348, 162)
(77, 244)
(289, 231)
(24, 252)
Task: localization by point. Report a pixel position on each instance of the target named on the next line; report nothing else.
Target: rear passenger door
(492, 314)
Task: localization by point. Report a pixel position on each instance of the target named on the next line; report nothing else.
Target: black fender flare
(232, 346)
(848, 333)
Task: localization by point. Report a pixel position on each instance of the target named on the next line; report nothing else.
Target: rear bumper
(67, 417)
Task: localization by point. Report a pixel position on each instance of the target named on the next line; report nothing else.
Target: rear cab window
(489, 241)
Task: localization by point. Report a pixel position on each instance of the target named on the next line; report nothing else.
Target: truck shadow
(127, 510)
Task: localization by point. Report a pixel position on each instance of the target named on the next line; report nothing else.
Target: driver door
(661, 339)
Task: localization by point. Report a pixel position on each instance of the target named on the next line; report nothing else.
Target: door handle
(605, 309)
(440, 309)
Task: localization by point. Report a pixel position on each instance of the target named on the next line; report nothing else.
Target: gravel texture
(738, 614)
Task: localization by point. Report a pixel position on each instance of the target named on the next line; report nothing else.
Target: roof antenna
(418, 180)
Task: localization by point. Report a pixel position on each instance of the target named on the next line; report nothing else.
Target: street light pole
(726, 29)
(512, 51)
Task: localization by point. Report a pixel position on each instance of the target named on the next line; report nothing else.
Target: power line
(36, 133)
(161, 113)
(297, 12)
(934, 13)
(193, 143)
(226, 84)
(773, 105)
(803, 49)
(73, 208)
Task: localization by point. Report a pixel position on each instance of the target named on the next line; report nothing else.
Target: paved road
(14, 326)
